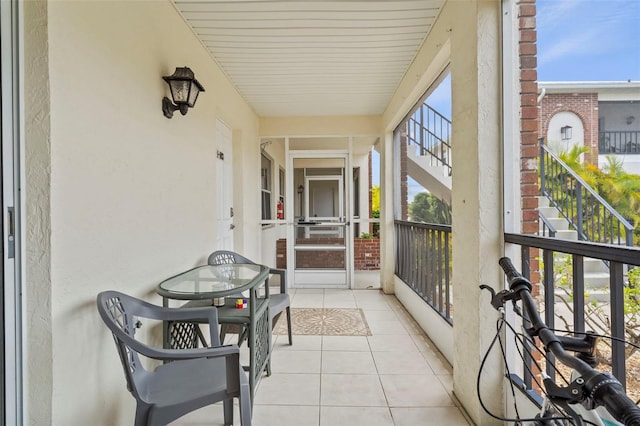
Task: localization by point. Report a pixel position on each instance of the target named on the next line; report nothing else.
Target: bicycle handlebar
(603, 389)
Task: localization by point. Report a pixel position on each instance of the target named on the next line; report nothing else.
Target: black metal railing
(587, 212)
(548, 230)
(618, 258)
(431, 132)
(423, 262)
(619, 142)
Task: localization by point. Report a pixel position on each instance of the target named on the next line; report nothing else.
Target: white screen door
(321, 253)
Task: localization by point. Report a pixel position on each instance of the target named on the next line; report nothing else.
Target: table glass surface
(210, 281)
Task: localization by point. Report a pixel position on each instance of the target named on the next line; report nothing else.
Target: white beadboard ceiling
(312, 57)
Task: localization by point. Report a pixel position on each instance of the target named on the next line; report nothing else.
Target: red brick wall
(529, 148)
(366, 255)
(529, 145)
(584, 106)
(281, 253)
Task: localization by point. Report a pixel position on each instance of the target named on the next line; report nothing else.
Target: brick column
(529, 149)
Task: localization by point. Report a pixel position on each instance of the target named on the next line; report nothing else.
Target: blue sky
(588, 40)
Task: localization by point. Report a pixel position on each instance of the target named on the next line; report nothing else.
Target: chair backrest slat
(116, 309)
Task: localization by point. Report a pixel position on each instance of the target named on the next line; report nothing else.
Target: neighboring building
(601, 115)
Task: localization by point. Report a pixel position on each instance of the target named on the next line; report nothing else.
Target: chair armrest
(208, 314)
(178, 354)
(283, 278)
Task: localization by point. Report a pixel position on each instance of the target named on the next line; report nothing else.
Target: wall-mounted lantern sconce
(184, 91)
(630, 119)
(300, 189)
(566, 132)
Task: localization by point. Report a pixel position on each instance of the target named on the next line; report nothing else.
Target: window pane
(281, 184)
(266, 205)
(424, 147)
(265, 173)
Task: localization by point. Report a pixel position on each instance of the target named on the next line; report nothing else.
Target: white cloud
(574, 44)
(578, 31)
(552, 13)
(588, 39)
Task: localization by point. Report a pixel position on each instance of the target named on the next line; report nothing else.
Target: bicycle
(590, 397)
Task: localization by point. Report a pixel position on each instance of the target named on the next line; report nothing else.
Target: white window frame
(266, 186)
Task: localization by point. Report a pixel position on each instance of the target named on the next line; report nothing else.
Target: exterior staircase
(596, 272)
(570, 209)
(435, 177)
(428, 135)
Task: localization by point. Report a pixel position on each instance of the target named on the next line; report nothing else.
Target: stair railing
(431, 132)
(547, 227)
(587, 212)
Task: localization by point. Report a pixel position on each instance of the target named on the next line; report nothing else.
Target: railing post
(578, 292)
(548, 283)
(579, 211)
(423, 148)
(616, 284)
(542, 178)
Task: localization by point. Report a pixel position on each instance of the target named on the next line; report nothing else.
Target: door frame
(346, 155)
(11, 59)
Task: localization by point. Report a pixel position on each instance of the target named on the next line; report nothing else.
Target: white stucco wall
(630, 162)
(132, 193)
(37, 238)
(553, 137)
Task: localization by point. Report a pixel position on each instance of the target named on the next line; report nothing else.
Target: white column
(476, 197)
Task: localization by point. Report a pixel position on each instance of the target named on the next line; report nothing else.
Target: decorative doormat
(324, 322)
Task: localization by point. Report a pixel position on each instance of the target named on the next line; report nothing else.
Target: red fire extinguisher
(280, 210)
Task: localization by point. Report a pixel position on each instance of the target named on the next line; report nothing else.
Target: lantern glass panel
(193, 95)
(180, 90)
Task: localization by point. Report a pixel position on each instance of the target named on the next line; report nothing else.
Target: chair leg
(223, 333)
(228, 411)
(245, 406)
(289, 325)
(142, 414)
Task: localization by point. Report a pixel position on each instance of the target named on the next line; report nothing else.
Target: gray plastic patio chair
(278, 302)
(189, 379)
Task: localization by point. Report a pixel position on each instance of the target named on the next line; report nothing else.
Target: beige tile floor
(395, 377)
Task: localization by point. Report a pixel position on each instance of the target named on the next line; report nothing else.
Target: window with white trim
(265, 176)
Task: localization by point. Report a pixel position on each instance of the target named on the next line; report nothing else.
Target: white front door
(224, 173)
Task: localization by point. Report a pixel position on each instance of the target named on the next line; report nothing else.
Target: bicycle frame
(591, 397)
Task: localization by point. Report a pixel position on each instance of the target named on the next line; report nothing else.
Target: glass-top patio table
(211, 285)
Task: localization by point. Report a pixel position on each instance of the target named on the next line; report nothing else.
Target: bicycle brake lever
(498, 299)
(563, 396)
(571, 394)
